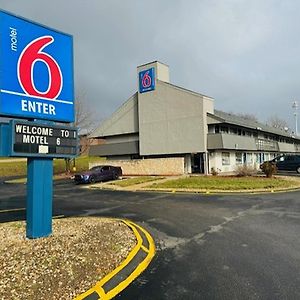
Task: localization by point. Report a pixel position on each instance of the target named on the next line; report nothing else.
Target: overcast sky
(245, 54)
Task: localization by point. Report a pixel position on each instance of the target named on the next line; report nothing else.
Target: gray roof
(125, 113)
(184, 89)
(243, 122)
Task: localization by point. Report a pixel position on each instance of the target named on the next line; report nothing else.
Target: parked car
(286, 163)
(98, 173)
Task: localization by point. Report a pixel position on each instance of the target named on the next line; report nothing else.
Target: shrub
(244, 170)
(214, 172)
(269, 168)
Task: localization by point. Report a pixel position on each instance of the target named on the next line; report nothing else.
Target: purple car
(98, 173)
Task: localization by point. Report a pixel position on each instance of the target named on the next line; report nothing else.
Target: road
(209, 246)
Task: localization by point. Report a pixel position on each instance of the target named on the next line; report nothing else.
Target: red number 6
(146, 80)
(29, 56)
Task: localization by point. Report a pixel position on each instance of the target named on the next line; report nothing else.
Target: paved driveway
(209, 247)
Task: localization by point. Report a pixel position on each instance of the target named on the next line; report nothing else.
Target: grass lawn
(13, 168)
(19, 168)
(226, 183)
(135, 180)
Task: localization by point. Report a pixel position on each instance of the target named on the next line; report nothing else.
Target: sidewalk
(136, 187)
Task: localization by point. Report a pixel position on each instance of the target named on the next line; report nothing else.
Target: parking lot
(209, 246)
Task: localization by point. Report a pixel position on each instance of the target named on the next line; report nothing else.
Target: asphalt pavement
(208, 246)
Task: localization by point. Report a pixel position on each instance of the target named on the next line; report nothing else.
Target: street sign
(147, 80)
(36, 71)
(33, 139)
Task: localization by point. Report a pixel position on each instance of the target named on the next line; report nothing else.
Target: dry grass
(79, 253)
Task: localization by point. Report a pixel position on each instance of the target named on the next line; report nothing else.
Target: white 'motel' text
(13, 39)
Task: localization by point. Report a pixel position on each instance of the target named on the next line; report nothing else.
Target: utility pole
(295, 107)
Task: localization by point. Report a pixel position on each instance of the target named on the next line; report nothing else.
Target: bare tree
(85, 118)
(86, 122)
(277, 122)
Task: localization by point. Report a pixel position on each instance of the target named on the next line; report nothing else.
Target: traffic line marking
(12, 210)
(145, 249)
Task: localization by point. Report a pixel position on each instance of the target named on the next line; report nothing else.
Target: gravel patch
(79, 253)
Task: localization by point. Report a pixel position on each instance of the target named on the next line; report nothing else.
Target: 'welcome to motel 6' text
(39, 135)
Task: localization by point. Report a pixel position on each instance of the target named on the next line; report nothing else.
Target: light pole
(295, 107)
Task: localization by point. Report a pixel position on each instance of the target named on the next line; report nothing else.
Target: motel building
(164, 129)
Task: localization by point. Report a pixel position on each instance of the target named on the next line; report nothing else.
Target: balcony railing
(237, 142)
(266, 145)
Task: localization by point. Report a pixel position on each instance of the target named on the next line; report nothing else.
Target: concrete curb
(220, 192)
(203, 192)
(136, 262)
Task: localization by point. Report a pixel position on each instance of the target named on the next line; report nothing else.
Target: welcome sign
(39, 140)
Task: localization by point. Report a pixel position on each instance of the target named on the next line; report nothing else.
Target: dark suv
(287, 162)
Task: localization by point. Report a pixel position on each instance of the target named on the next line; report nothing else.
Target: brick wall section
(157, 166)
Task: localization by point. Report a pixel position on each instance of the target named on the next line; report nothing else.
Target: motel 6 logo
(147, 80)
(33, 53)
(36, 63)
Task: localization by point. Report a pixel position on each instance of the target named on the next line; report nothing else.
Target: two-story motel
(166, 129)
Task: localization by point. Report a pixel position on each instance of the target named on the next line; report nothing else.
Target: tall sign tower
(36, 85)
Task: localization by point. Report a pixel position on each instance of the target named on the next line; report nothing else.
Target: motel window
(217, 129)
(257, 158)
(238, 158)
(224, 129)
(233, 130)
(266, 156)
(249, 158)
(225, 158)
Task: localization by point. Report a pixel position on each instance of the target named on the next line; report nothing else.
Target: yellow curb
(98, 288)
(221, 192)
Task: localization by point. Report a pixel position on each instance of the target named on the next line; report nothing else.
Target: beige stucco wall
(172, 120)
(157, 166)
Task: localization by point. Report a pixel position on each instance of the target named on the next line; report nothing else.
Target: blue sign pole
(39, 197)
